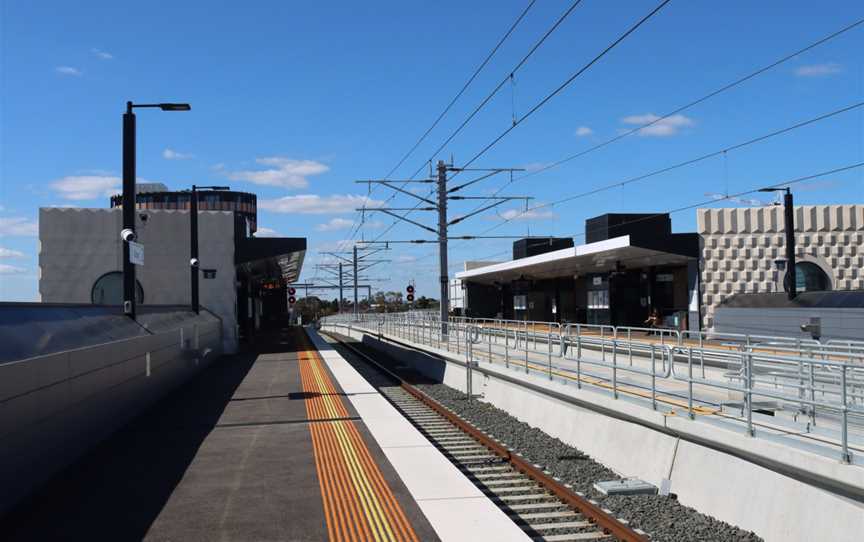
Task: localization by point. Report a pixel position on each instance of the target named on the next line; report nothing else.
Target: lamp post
(193, 241)
(790, 280)
(128, 232)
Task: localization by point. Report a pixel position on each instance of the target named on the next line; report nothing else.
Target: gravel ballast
(663, 517)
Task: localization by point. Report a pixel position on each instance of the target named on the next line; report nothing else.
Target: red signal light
(292, 300)
(292, 291)
(410, 289)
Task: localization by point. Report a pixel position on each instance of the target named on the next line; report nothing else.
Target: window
(108, 290)
(598, 299)
(809, 277)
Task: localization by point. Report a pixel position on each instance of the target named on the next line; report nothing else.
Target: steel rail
(610, 525)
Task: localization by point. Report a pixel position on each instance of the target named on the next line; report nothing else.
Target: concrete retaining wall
(54, 408)
(725, 485)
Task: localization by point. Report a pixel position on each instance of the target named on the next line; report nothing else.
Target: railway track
(539, 504)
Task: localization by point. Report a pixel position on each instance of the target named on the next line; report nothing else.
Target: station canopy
(598, 257)
(271, 258)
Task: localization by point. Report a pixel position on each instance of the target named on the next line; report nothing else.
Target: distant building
(744, 251)
(156, 196)
(242, 278)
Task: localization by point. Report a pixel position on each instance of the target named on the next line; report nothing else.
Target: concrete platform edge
(454, 506)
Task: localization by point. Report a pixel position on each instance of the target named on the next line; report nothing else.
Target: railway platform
(287, 442)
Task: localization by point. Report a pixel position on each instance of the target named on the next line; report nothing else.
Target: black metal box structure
(533, 246)
(638, 226)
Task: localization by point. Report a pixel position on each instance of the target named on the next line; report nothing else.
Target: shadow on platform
(121, 486)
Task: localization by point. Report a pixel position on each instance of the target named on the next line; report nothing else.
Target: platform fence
(815, 380)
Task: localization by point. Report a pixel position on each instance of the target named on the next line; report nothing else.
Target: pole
(442, 244)
(789, 216)
(128, 208)
(341, 295)
(193, 248)
(355, 280)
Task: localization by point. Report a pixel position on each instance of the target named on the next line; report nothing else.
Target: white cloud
(266, 232)
(335, 224)
(818, 70)
(313, 204)
(11, 269)
(17, 226)
(68, 70)
(170, 154)
(9, 253)
(285, 172)
(104, 55)
(530, 214)
(83, 187)
(662, 127)
(584, 131)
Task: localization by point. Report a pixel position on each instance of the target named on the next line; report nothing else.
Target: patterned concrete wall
(740, 245)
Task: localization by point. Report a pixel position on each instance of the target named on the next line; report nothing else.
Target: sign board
(597, 281)
(209, 273)
(665, 277)
(136, 253)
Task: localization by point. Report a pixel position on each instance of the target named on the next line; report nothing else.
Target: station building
(242, 278)
(631, 264)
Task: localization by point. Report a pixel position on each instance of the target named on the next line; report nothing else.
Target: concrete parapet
(55, 407)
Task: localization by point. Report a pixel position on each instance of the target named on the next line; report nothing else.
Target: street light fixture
(789, 281)
(129, 196)
(193, 241)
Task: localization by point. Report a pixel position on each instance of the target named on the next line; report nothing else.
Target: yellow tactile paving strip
(358, 503)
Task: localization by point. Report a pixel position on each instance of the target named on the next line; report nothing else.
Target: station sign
(136, 253)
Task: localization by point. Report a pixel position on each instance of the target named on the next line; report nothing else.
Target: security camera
(193, 262)
(128, 235)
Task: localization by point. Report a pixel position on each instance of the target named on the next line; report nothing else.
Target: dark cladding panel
(637, 226)
(533, 246)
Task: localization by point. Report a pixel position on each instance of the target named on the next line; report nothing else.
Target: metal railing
(805, 377)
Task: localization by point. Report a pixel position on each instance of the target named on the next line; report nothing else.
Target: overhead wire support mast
(443, 221)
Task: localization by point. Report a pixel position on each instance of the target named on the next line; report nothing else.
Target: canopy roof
(598, 257)
(271, 257)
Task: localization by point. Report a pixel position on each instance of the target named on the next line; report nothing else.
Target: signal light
(410, 289)
(292, 291)
(292, 300)
(410, 298)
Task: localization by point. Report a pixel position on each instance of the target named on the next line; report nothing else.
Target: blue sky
(296, 100)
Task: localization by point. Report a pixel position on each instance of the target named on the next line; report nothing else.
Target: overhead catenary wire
(450, 105)
(549, 96)
(684, 163)
(727, 197)
(729, 86)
